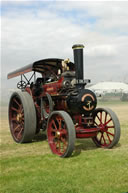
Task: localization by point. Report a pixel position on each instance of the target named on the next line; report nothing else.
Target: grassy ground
(32, 168)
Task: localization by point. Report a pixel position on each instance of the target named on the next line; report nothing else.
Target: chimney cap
(77, 46)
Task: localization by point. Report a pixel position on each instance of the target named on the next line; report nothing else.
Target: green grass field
(32, 168)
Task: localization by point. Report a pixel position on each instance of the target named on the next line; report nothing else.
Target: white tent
(109, 87)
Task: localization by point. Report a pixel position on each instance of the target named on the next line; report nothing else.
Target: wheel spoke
(53, 130)
(16, 128)
(16, 102)
(101, 117)
(53, 122)
(110, 133)
(63, 140)
(101, 137)
(14, 119)
(64, 132)
(108, 137)
(14, 109)
(108, 121)
(53, 139)
(105, 117)
(104, 140)
(98, 118)
(59, 122)
(58, 146)
(20, 133)
(96, 123)
(110, 127)
(64, 144)
(22, 110)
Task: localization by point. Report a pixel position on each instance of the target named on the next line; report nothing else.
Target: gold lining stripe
(78, 48)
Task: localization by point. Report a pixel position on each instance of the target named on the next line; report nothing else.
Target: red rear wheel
(106, 120)
(61, 133)
(22, 117)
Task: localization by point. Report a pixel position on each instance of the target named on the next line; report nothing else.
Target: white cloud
(111, 16)
(102, 50)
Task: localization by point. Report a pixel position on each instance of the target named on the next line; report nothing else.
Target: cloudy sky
(33, 30)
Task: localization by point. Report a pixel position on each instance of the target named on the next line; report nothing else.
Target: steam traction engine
(59, 103)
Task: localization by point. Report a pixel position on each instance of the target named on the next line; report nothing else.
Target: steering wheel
(21, 84)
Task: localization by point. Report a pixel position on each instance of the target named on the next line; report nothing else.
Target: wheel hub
(19, 117)
(103, 128)
(58, 134)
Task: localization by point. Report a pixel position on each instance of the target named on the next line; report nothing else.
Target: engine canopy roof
(45, 66)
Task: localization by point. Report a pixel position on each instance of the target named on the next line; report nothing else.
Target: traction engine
(59, 103)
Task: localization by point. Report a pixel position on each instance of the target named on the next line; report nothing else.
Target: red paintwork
(78, 119)
(52, 88)
(85, 135)
(82, 132)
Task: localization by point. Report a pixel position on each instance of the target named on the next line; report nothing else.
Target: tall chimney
(78, 60)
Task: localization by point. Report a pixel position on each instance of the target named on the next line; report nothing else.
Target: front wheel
(61, 133)
(109, 128)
